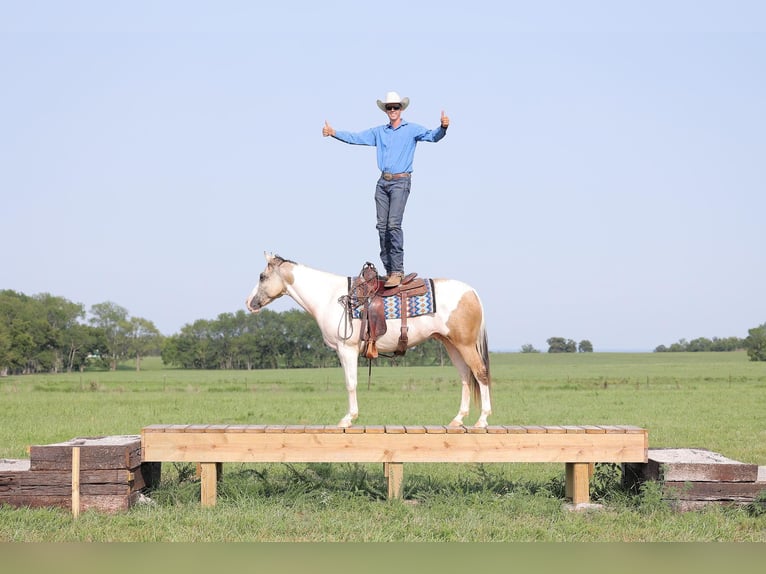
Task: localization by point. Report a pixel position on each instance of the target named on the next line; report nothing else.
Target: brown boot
(394, 279)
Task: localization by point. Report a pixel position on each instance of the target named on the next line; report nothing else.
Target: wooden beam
(394, 446)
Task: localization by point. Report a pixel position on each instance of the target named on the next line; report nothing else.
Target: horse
(458, 322)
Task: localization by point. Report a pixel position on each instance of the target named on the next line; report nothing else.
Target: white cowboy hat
(394, 98)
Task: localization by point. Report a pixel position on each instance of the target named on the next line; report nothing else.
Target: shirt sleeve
(425, 135)
(367, 137)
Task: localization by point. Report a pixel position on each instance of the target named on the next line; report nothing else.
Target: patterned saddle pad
(417, 305)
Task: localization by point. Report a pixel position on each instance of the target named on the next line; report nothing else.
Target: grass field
(708, 400)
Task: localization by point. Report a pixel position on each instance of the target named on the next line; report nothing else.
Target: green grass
(707, 400)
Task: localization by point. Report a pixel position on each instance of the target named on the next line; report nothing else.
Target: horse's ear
(269, 256)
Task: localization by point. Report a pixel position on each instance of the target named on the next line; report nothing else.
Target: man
(395, 143)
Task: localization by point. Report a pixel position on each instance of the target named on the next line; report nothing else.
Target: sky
(603, 177)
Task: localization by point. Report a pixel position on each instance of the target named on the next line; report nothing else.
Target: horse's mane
(283, 260)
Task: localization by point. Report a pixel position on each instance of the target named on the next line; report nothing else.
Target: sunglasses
(392, 107)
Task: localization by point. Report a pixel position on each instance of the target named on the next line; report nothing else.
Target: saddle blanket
(416, 306)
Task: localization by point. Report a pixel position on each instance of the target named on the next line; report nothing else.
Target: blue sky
(603, 177)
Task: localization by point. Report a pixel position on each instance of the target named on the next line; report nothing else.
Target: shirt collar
(401, 124)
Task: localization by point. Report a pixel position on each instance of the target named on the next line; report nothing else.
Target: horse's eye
(262, 277)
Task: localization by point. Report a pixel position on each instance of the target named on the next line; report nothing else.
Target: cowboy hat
(393, 98)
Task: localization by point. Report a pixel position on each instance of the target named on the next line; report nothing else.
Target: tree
(528, 348)
(143, 338)
(755, 343)
(585, 346)
(80, 342)
(113, 320)
(561, 345)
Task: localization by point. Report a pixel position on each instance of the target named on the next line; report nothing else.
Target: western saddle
(366, 293)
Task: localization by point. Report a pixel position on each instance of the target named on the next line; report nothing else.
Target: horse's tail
(482, 347)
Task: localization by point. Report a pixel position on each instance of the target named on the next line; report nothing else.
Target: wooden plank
(102, 503)
(394, 429)
(295, 429)
(63, 478)
(515, 429)
(555, 429)
(355, 430)
(692, 464)
(574, 429)
(255, 429)
(436, 429)
(497, 429)
(732, 491)
(375, 429)
(109, 452)
(155, 428)
(417, 429)
(396, 446)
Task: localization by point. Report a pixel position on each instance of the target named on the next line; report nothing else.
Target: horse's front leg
(348, 359)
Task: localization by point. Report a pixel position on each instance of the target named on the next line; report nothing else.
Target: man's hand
(445, 120)
(328, 130)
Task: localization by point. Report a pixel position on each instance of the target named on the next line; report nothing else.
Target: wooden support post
(76, 481)
(208, 479)
(578, 482)
(394, 471)
(218, 470)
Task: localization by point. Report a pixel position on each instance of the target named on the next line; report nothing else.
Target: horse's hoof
(346, 422)
(455, 423)
(480, 425)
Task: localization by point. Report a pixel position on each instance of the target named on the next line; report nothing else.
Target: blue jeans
(390, 201)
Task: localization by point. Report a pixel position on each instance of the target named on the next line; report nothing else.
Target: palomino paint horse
(458, 322)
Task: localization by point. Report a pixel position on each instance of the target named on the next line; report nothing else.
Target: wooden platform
(578, 447)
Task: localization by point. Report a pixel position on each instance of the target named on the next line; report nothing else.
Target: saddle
(366, 294)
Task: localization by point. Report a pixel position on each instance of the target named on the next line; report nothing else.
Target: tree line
(47, 334)
(754, 344)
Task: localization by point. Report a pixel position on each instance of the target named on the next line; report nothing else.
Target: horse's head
(272, 283)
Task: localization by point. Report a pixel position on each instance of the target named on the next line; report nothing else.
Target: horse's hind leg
(466, 376)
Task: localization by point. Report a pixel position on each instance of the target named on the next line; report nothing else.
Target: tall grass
(707, 400)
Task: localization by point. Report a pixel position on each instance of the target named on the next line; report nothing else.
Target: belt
(389, 176)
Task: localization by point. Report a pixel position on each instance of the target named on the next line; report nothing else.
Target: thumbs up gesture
(445, 120)
(328, 130)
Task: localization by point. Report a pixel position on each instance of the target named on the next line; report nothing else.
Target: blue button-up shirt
(396, 147)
